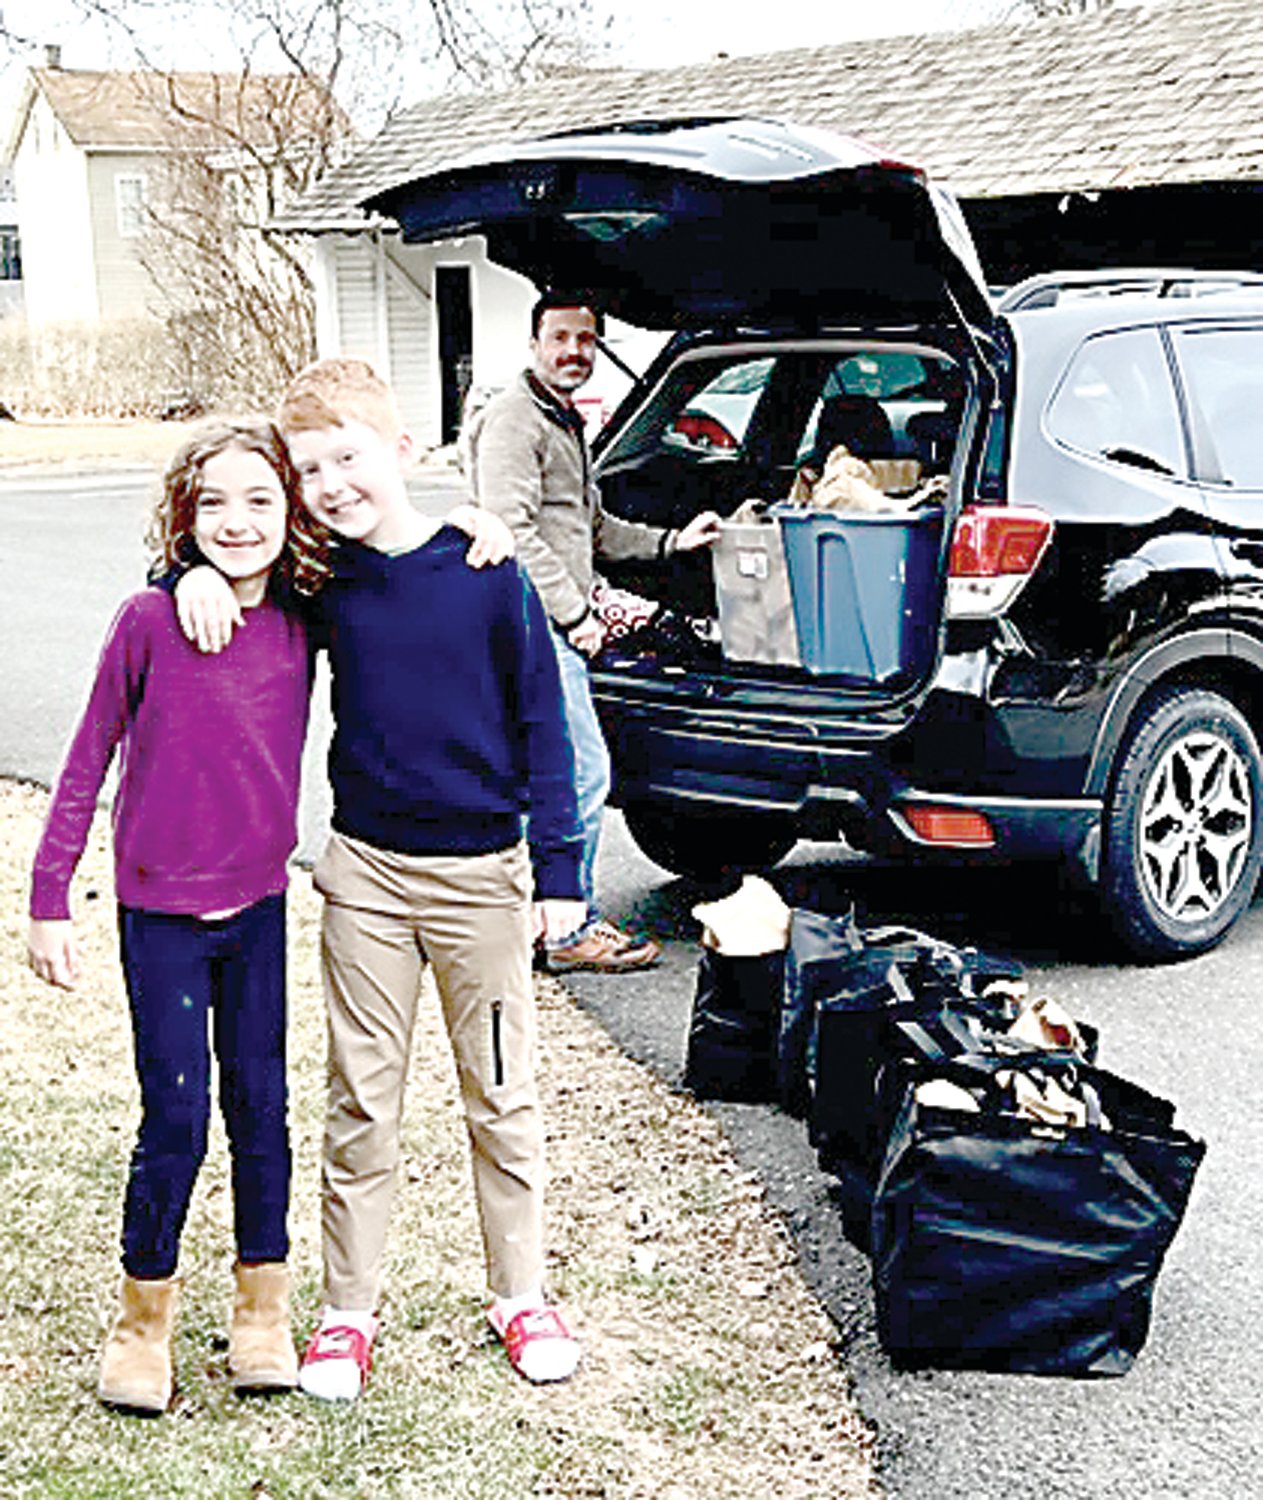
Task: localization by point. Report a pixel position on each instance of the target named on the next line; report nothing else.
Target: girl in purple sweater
(204, 821)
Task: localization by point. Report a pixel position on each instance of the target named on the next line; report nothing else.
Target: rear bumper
(709, 765)
(828, 790)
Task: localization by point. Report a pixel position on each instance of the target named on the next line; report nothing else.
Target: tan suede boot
(136, 1361)
(261, 1353)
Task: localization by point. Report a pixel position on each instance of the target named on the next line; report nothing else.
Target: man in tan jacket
(529, 462)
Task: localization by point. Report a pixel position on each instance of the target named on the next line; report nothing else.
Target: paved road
(1186, 1422)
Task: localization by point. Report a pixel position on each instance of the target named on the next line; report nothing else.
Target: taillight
(995, 549)
(703, 431)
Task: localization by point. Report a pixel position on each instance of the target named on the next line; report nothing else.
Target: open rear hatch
(684, 223)
(751, 230)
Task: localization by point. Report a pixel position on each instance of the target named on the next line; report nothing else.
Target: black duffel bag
(732, 1037)
(1001, 1243)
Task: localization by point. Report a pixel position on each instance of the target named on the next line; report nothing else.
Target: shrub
(134, 367)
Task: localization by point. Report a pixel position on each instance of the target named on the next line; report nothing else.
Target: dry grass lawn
(709, 1369)
(25, 445)
(45, 447)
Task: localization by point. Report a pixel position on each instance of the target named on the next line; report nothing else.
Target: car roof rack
(1049, 288)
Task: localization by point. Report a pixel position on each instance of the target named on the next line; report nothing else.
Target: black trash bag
(1000, 1243)
(860, 1032)
(832, 959)
(943, 1007)
(736, 1018)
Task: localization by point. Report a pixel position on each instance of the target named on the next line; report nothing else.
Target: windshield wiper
(1137, 459)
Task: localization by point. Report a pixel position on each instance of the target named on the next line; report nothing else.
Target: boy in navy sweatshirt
(448, 729)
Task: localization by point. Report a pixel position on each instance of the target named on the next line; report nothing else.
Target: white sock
(506, 1309)
(343, 1317)
(338, 1379)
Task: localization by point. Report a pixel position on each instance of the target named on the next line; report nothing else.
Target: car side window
(1223, 369)
(1116, 401)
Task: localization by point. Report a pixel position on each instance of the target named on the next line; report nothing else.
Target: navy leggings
(191, 982)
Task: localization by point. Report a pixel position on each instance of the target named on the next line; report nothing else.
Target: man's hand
(556, 920)
(701, 531)
(52, 952)
(207, 608)
(491, 541)
(587, 636)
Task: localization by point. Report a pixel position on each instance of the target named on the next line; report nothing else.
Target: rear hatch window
(813, 578)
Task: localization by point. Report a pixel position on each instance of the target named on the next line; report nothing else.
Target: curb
(97, 475)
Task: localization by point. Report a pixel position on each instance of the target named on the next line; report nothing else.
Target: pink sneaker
(337, 1363)
(539, 1345)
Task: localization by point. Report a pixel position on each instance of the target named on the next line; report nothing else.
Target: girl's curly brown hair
(303, 564)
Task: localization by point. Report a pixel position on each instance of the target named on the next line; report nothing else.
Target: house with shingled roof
(87, 151)
(1133, 135)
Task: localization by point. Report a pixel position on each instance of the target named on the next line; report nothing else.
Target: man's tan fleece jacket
(528, 462)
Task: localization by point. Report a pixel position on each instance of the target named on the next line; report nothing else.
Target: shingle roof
(137, 111)
(1135, 95)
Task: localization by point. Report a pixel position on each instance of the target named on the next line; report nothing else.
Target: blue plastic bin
(866, 589)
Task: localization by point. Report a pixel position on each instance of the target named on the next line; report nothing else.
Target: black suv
(1076, 673)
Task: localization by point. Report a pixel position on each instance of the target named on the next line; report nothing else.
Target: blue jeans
(192, 983)
(591, 761)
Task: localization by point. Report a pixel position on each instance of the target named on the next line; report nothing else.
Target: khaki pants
(386, 915)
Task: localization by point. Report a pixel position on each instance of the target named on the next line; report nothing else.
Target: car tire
(1183, 826)
(707, 845)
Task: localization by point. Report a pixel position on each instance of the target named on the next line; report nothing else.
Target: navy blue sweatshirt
(447, 708)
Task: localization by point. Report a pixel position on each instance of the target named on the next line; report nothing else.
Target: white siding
(373, 303)
(358, 314)
(50, 175)
(324, 274)
(412, 342)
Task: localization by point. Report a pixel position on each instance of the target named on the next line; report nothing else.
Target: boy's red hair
(333, 392)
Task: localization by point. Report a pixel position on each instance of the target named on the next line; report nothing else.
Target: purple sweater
(211, 748)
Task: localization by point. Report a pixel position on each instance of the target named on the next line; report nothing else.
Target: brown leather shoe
(604, 950)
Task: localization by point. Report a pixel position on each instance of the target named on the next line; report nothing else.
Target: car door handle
(1248, 551)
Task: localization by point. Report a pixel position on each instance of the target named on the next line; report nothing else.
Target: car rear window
(1117, 401)
(773, 413)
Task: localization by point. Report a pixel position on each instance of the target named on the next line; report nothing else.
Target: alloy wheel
(1196, 825)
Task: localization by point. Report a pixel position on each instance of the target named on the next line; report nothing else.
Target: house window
(129, 202)
(10, 256)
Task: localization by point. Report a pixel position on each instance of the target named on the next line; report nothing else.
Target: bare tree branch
(251, 137)
(1046, 8)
